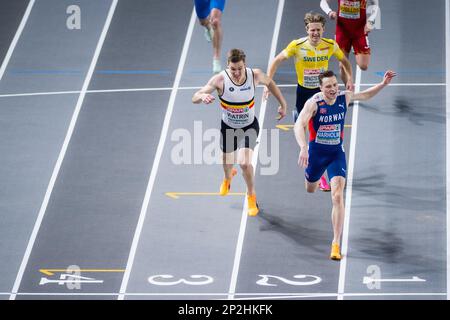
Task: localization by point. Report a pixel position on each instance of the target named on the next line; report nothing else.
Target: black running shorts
(231, 138)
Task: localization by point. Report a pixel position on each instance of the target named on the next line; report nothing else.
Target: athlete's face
(315, 31)
(237, 70)
(330, 87)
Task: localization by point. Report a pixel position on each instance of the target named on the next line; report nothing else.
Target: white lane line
(31, 94)
(290, 296)
(331, 295)
(12, 95)
(447, 150)
(16, 38)
(91, 91)
(159, 151)
(431, 84)
(348, 192)
(240, 242)
(62, 153)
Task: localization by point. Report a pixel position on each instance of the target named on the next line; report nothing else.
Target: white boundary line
(12, 95)
(262, 111)
(447, 150)
(158, 155)
(258, 295)
(348, 195)
(16, 38)
(62, 153)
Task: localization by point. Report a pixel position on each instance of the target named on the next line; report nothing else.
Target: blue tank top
(326, 128)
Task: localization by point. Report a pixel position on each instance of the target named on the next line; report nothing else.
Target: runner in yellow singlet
(311, 56)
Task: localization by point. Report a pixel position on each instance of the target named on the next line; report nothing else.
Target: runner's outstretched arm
(372, 91)
(204, 94)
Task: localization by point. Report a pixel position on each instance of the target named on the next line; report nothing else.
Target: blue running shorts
(320, 160)
(204, 7)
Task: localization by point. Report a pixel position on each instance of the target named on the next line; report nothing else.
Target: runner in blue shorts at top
(209, 13)
(324, 113)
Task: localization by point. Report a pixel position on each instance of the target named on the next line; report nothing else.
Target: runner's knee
(215, 22)
(311, 187)
(363, 66)
(204, 22)
(245, 166)
(337, 197)
(216, 18)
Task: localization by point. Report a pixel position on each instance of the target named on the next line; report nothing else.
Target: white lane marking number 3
(162, 280)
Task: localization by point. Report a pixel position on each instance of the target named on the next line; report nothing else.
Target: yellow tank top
(311, 61)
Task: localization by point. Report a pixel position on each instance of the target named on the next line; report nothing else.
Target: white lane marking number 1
(373, 281)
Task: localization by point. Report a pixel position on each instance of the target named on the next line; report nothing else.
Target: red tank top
(352, 16)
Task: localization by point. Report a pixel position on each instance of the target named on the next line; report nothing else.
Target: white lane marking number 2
(264, 281)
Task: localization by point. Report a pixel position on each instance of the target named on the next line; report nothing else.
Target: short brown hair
(313, 17)
(326, 74)
(236, 55)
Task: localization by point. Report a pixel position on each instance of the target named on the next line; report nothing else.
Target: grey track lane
(397, 224)
(398, 213)
(33, 128)
(146, 51)
(396, 43)
(11, 13)
(292, 234)
(197, 235)
(93, 211)
(49, 56)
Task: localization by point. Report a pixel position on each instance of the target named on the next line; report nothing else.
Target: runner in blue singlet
(325, 114)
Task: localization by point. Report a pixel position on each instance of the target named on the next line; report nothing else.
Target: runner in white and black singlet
(239, 127)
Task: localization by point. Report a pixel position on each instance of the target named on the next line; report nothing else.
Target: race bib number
(329, 134)
(350, 9)
(311, 78)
